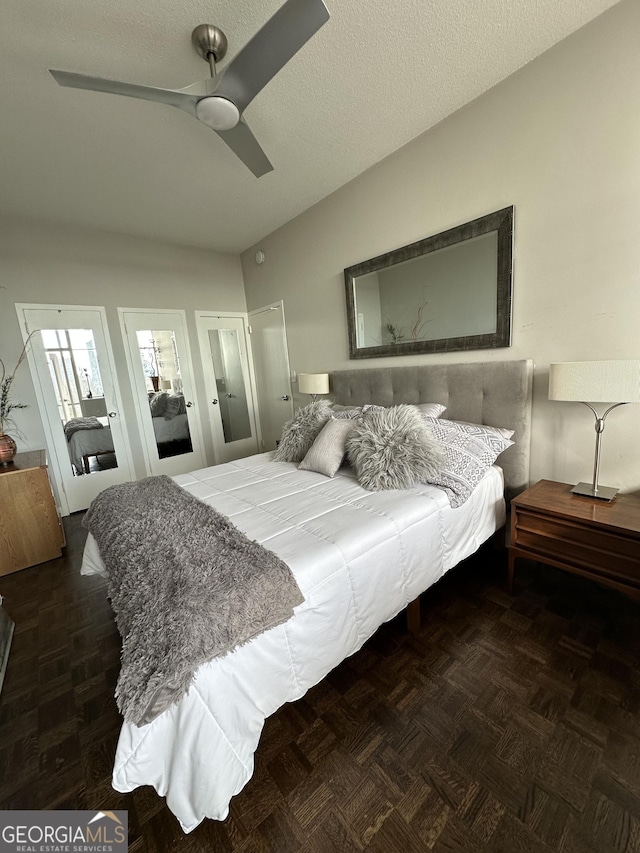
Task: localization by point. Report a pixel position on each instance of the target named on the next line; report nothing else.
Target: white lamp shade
(165, 384)
(616, 381)
(313, 383)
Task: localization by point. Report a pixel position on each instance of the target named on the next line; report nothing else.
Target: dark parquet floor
(510, 724)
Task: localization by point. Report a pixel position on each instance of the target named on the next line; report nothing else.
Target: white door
(161, 374)
(227, 377)
(271, 366)
(74, 377)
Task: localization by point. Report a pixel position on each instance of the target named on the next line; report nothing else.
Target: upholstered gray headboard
(497, 393)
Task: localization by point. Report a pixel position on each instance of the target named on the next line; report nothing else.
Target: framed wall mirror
(448, 292)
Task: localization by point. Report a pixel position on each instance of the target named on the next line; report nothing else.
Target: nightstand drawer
(591, 548)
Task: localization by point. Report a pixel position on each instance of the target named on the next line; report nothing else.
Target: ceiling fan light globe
(217, 113)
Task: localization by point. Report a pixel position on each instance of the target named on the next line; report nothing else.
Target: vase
(8, 449)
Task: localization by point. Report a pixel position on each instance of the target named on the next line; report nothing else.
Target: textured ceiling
(377, 75)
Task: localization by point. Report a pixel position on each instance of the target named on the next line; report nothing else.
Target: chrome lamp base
(603, 493)
(594, 490)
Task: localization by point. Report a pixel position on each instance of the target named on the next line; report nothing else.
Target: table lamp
(313, 383)
(588, 382)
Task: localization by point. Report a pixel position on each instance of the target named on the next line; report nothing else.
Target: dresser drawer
(601, 551)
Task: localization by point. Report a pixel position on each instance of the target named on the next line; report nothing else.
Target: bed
(340, 541)
(98, 441)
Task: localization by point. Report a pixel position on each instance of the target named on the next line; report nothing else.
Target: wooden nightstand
(30, 528)
(597, 539)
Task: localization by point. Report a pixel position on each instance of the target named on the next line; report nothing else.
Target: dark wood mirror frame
(501, 222)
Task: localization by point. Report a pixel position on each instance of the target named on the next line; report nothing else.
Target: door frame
(252, 396)
(53, 457)
(133, 371)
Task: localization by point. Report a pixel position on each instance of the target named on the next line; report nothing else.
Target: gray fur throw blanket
(185, 585)
(76, 424)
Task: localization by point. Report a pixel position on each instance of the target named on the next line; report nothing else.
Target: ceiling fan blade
(172, 97)
(270, 49)
(244, 145)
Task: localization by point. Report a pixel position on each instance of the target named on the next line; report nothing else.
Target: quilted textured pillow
(393, 449)
(300, 432)
(327, 452)
(469, 450)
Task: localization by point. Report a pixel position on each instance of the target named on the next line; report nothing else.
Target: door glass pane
(163, 383)
(230, 387)
(82, 410)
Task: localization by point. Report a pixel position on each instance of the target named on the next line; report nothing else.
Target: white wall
(560, 140)
(49, 264)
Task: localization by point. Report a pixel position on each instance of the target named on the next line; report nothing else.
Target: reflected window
(73, 366)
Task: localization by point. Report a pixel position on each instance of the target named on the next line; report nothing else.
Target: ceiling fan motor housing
(209, 40)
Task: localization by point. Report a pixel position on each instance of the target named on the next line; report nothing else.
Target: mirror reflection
(230, 388)
(168, 408)
(72, 361)
(451, 291)
(447, 293)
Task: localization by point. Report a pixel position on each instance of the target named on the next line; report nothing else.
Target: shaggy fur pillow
(393, 449)
(300, 432)
(158, 404)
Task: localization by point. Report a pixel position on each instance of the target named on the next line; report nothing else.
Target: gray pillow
(327, 452)
(433, 410)
(300, 432)
(393, 449)
(175, 406)
(158, 404)
(354, 411)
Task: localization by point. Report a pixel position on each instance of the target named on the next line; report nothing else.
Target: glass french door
(227, 377)
(159, 362)
(74, 377)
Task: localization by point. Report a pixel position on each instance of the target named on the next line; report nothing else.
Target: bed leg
(413, 616)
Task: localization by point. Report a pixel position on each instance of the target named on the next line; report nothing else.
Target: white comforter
(359, 558)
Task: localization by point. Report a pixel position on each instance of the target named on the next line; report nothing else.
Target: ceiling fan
(219, 101)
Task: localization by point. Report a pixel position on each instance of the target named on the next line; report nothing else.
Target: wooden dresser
(30, 528)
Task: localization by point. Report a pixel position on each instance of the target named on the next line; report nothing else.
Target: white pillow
(430, 410)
